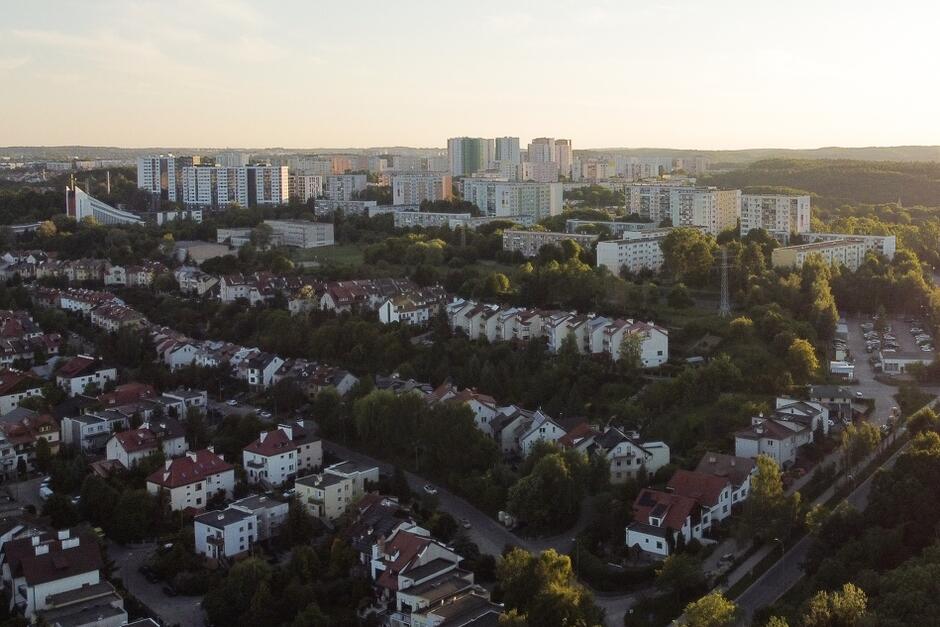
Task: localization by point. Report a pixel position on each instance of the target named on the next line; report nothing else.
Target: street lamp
(577, 549)
(783, 550)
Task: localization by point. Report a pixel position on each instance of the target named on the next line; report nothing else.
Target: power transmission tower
(724, 305)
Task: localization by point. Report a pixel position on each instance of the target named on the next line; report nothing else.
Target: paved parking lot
(882, 393)
(180, 610)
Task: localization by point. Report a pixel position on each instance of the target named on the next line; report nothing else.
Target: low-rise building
(330, 494)
(279, 456)
(775, 438)
(528, 243)
(885, 245)
(426, 219)
(844, 252)
(16, 387)
(225, 534)
(660, 519)
(627, 454)
(193, 479)
(132, 446)
(300, 233)
(738, 471)
(90, 432)
(83, 373)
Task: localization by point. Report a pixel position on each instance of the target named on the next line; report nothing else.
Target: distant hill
(723, 159)
(838, 182)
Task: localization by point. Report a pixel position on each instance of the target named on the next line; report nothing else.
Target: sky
(724, 74)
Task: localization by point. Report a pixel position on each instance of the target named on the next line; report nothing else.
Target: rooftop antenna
(108, 182)
(724, 305)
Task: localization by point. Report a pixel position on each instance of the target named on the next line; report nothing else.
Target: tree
(681, 574)
(858, 441)
(688, 254)
(134, 515)
(802, 361)
(631, 352)
(712, 610)
(925, 419)
(61, 512)
(229, 598)
(845, 608)
(679, 297)
(298, 528)
(98, 500)
(43, 454)
(261, 236)
(768, 513)
(549, 496)
(47, 229)
(542, 590)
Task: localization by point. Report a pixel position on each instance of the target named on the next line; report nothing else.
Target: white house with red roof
(16, 387)
(660, 519)
(483, 406)
(738, 470)
(280, 455)
(712, 492)
(194, 478)
(82, 371)
(133, 445)
(546, 429)
(778, 438)
(408, 559)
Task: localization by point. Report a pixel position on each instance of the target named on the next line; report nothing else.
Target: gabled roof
(402, 550)
(736, 469)
(77, 366)
(703, 487)
(674, 509)
(192, 467)
(277, 441)
(771, 429)
(136, 440)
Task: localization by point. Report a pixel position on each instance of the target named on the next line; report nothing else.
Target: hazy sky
(676, 73)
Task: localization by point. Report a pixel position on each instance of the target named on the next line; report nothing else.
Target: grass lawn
(344, 254)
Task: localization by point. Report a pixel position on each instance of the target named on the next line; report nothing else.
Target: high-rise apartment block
(681, 205)
(514, 198)
(539, 171)
(507, 150)
(564, 156)
(232, 159)
(305, 186)
(469, 155)
(541, 150)
(729, 209)
(218, 187)
(778, 214)
(163, 175)
(344, 186)
(413, 189)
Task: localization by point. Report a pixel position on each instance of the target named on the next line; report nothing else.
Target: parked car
(465, 523)
(858, 395)
(264, 414)
(45, 492)
(429, 489)
(232, 403)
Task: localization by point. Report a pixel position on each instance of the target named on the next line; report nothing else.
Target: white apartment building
(778, 214)
(634, 254)
(507, 150)
(564, 156)
(542, 150)
(469, 155)
(162, 175)
(232, 159)
(847, 252)
(305, 186)
(682, 205)
(225, 534)
(512, 199)
(426, 219)
(729, 208)
(413, 189)
(214, 187)
(328, 495)
(539, 171)
(343, 186)
(885, 245)
(193, 479)
(528, 243)
(300, 233)
(280, 455)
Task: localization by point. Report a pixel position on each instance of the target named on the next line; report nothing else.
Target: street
(180, 610)
(786, 572)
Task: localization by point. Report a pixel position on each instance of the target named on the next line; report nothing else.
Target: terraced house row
(591, 333)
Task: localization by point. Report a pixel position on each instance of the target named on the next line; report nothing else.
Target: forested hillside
(837, 182)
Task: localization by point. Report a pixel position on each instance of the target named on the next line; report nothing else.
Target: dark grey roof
(219, 519)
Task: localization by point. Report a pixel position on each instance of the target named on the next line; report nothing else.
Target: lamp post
(577, 553)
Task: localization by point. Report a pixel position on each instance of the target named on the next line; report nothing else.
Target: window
(659, 545)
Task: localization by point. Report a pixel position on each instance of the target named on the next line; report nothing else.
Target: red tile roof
(274, 443)
(11, 382)
(127, 394)
(76, 366)
(703, 487)
(137, 440)
(673, 508)
(407, 546)
(186, 470)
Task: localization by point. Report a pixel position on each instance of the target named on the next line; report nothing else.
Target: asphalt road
(788, 570)
(185, 611)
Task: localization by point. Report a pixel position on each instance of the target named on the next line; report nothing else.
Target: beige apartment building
(847, 252)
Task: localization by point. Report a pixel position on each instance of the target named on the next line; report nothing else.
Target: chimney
(71, 543)
(63, 534)
(732, 462)
(41, 549)
(210, 448)
(167, 464)
(35, 540)
(191, 455)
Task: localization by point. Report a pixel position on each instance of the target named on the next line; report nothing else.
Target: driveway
(180, 610)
